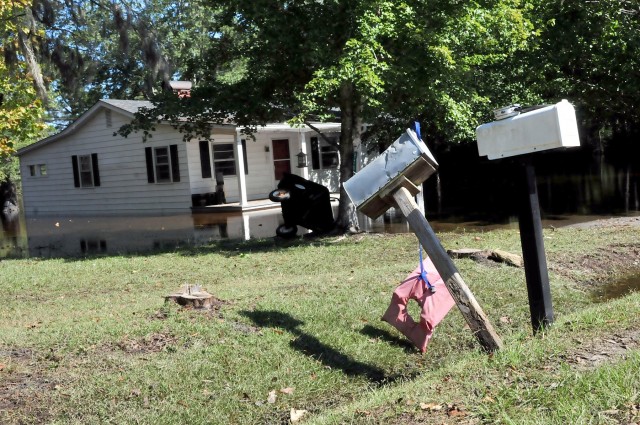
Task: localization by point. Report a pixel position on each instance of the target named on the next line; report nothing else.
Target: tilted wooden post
(392, 178)
(466, 302)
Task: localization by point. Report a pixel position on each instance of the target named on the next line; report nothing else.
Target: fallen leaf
(454, 411)
(432, 407)
(488, 399)
(272, 397)
(2, 366)
(288, 390)
(295, 415)
(136, 392)
(505, 319)
(410, 402)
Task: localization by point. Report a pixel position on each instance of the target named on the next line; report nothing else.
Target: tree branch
(322, 135)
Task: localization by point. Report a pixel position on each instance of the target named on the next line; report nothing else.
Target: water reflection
(49, 237)
(78, 236)
(619, 289)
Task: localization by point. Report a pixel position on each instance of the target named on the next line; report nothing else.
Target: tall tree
(375, 61)
(588, 53)
(21, 112)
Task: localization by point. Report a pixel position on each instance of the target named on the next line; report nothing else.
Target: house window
(224, 160)
(323, 155)
(85, 170)
(38, 170)
(162, 164)
(93, 246)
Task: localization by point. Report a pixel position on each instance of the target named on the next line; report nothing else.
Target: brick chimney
(181, 88)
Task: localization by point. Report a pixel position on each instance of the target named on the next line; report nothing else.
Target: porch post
(303, 148)
(242, 183)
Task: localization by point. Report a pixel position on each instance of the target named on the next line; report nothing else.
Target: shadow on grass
(381, 334)
(313, 347)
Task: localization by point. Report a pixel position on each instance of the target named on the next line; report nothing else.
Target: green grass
(90, 340)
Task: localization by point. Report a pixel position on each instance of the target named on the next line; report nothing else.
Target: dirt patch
(595, 268)
(23, 388)
(421, 413)
(608, 222)
(607, 350)
(153, 343)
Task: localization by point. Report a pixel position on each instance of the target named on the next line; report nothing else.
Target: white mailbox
(546, 128)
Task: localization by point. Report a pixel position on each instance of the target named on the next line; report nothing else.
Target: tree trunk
(30, 58)
(351, 129)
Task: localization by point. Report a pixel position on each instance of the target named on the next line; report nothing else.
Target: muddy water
(78, 236)
(619, 289)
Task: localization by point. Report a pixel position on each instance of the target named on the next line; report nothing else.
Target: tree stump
(193, 296)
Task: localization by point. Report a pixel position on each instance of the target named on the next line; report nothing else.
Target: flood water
(619, 289)
(572, 188)
(63, 237)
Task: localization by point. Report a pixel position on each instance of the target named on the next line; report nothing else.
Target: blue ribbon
(423, 272)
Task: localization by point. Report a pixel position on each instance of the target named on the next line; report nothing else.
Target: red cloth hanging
(435, 305)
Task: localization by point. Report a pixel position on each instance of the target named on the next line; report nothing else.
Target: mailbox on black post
(522, 131)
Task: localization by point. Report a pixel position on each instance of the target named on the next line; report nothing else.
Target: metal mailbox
(541, 129)
(408, 157)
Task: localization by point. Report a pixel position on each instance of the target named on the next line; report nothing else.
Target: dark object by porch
(304, 203)
(8, 201)
(212, 198)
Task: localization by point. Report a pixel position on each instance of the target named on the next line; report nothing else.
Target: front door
(281, 158)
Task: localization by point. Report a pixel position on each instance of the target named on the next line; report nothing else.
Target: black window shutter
(175, 167)
(148, 153)
(76, 172)
(244, 156)
(205, 159)
(96, 172)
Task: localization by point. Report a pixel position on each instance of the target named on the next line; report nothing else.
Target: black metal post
(535, 261)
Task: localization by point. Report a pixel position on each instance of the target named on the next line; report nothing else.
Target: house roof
(130, 107)
(125, 107)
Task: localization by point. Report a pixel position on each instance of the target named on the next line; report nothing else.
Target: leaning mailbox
(394, 178)
(407, 157)
(521, 132)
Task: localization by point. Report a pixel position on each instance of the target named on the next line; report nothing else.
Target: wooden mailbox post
(517, 133)
(393, 179)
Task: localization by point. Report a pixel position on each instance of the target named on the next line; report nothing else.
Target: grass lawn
(90, 340)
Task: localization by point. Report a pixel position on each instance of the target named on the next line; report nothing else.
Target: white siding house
(86, 170)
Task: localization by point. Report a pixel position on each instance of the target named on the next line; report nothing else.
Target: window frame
(172, 172)
(91, 168)
(232, 159)
(37, 170)
(321, 150)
